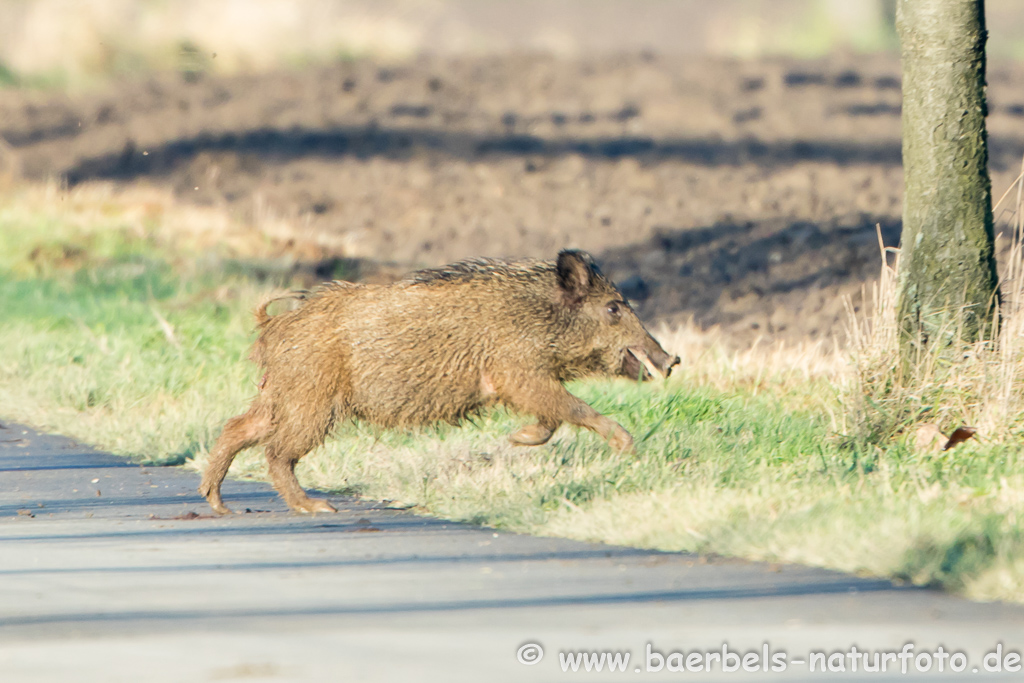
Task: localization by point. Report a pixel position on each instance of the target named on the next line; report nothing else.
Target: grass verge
(121, 336)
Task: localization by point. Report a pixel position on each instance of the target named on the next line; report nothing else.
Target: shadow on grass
(291, 272)
(177, 459)
(950, 564)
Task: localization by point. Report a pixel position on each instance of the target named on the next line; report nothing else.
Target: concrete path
(114, 572)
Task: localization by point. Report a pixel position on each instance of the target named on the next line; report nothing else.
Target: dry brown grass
(708, 358)
(983, 389)
(78, 216)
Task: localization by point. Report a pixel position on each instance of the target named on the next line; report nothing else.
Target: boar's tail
(300, 295)
(262, 317)
(258, 353)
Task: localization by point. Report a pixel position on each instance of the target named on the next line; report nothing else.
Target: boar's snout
(646, 363)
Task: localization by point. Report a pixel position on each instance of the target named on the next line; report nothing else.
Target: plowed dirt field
(742, 194)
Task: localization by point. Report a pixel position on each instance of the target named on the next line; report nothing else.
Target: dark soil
(745, 194)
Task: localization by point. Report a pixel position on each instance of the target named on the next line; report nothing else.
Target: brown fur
(436, 346)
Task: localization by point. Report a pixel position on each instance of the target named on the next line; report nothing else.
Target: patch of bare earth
(741, 194)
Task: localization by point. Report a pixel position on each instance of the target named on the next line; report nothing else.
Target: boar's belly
(409, 399)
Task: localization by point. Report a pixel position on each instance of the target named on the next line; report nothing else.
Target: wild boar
(436, 346)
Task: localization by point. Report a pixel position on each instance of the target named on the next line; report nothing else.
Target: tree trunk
(948, 282)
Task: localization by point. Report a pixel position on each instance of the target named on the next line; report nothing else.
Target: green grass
(111, 336)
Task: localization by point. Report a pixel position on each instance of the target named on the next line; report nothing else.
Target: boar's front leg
(553, 405)
(534, 435)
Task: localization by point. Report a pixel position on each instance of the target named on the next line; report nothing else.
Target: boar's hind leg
(284, 450)
(282, 473)
(240, 432)
(553, 405)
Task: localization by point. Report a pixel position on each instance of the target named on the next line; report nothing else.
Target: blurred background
(729, 162)
(65, 41)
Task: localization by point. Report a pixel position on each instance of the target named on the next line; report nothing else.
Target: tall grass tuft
(982, 387)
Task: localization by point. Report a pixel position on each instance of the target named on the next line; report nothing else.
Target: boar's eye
(614, 310)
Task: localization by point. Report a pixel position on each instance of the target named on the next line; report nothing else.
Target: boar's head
(605, 336)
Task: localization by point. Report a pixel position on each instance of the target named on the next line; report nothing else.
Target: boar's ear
(575, 274)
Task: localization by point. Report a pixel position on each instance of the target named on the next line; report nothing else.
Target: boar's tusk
(642, 356)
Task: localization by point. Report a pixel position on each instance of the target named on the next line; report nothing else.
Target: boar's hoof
(213, 498)
(621, 441)
(311, 506)
(221, 508)
(531, 435)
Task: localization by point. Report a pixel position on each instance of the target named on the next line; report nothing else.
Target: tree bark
(948, 282)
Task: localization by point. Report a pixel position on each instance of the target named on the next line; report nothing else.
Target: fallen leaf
(959, 435)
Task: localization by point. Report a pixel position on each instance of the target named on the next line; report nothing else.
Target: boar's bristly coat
(436, 346)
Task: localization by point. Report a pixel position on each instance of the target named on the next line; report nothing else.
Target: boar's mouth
(636, 363)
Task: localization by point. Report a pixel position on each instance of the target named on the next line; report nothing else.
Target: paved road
(114, 572)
